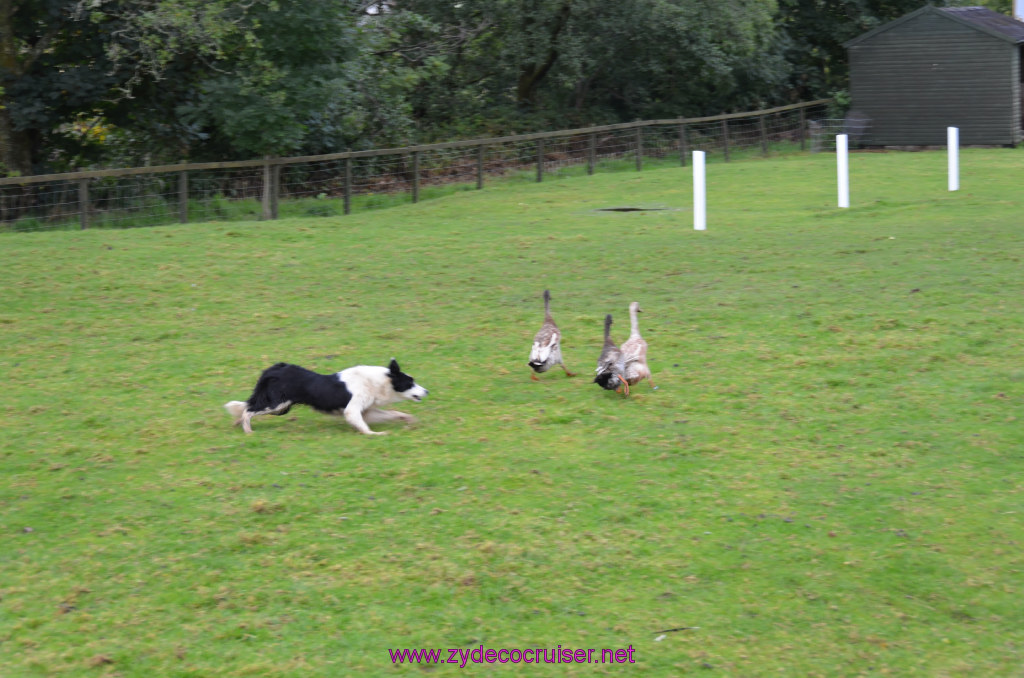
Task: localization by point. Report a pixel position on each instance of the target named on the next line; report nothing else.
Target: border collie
(355, 393)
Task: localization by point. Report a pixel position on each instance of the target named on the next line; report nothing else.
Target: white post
(700, 205)
(953, 148)
(843, 169)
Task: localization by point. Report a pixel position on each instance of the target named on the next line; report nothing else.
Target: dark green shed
(935, 68)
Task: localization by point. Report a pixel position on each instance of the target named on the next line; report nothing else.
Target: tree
(1001, 6)
(64, 62)
(816, 31)
(543, 62)
(476, 59)
(304, 78)
(204, 79)
(260, 77)
(50, 66)
(666, 58)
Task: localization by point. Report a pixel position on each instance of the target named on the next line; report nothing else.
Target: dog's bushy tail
(236, 408)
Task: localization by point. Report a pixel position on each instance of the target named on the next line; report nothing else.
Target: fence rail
(335, 183)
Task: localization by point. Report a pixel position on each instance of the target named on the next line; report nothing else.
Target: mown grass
(826, 481)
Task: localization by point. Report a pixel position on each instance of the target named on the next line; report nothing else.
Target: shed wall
(930, 73)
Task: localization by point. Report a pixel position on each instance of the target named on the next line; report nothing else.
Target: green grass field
(827, 481)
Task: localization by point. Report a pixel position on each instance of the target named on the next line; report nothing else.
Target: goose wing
(545, 343)
(609, 357)
(634, 349)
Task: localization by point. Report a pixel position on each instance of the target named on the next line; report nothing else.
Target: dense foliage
(88, 82)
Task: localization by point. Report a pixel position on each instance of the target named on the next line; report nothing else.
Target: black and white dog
(355, 393)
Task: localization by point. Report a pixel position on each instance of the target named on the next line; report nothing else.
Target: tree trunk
(531, 75)
(581, 91)
(15, 146)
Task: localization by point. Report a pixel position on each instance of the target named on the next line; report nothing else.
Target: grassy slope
(826, 481)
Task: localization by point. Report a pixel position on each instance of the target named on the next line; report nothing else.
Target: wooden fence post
(591, 152)
(725, 139)
(479, 167)
(764, 135)
(348, 185)
(540, 160)
(639, 148)
(683, 145)
(183, 197)
(83, 203)
(275, 192)
(415, 176)
(268, 188)
(803, 130)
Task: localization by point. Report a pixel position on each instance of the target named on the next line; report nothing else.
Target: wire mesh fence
(340, 183)
(821, 134)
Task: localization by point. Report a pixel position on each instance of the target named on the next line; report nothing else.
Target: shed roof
(981, 18)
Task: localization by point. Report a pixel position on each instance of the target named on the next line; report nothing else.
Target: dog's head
(405, 385)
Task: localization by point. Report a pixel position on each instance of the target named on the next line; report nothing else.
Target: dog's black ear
(393, 367)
